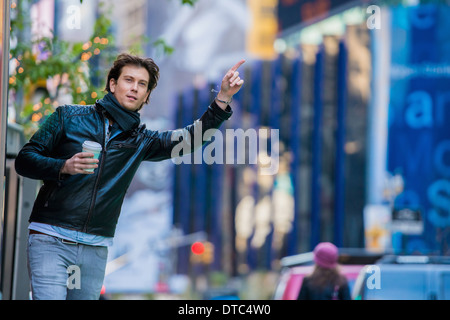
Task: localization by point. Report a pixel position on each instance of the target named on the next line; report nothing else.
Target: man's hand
(79, 162)
(231, 84)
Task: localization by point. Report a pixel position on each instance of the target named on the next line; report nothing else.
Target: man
(75, 213)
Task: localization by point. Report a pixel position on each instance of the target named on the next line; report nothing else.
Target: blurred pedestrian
(74, 216)
(325, 282)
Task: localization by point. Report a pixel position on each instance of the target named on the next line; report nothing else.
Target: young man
(75, 213)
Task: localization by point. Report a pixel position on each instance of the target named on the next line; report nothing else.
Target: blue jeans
(61, 271)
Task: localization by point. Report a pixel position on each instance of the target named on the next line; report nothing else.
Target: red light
(197, 248)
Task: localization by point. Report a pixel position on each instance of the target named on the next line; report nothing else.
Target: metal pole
(4, 78)
(317, 150)
(296, 94)
(339, 185)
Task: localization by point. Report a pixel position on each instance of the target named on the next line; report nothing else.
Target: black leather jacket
(92, 203)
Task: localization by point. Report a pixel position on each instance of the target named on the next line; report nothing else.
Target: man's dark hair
(125, 59)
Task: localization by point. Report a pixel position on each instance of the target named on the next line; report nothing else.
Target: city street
(232, 140)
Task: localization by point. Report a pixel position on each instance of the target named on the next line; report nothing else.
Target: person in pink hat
(325, 282)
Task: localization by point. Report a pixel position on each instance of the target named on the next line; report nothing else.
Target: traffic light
(208, 253)
(197, 249)
(202, 252)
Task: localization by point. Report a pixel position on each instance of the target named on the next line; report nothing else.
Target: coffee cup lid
(92, 145)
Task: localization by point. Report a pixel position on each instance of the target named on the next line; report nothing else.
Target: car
(404, 278)
(295, 268)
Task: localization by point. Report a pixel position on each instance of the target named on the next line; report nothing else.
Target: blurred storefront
(17, 193)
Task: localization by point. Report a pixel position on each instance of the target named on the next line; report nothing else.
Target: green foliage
(161, 45)
(67, 68)
(189, 2)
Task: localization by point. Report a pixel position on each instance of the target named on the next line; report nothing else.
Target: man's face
(131, 89)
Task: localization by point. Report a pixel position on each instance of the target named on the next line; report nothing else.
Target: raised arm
(174, 143)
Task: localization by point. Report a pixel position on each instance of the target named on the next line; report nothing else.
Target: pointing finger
(237, 65)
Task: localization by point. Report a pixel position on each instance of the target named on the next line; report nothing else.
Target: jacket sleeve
(175, 143)
(34, 159)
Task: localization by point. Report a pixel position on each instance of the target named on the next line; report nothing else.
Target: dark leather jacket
(330, 292)
(92, 203)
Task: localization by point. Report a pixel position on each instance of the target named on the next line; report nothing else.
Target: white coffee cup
(92, 147)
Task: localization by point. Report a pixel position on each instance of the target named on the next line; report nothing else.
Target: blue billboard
(419, 121)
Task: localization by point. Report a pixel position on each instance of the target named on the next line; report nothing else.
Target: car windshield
(403, 282)
(397, 286)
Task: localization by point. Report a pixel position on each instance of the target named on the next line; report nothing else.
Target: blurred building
(306, 82)
(129, 21)
(337, 92)
(387, 195)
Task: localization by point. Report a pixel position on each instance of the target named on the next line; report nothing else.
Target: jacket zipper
(94, 195)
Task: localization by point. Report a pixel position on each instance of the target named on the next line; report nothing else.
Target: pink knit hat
(326, 255)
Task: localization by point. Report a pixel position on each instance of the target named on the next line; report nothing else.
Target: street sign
(407, 221)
